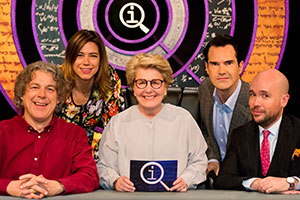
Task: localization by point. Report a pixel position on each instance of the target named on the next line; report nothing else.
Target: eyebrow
(50, 85)
(226, 61)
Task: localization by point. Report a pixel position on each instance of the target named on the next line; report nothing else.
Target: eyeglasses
(142, 83)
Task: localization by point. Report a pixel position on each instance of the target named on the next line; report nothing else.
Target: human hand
(28, 186)
(270, 184)
(32, 186)
(290, 192)
(179, 185)
(213, 166)
(123, 184)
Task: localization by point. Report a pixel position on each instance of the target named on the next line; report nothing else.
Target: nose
(148, 87)
(41, 93)
(86, 60)
(254, 101)
(222, 69)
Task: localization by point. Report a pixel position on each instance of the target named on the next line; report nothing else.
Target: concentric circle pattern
(178, 29)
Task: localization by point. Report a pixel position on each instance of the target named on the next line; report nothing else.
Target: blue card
(153, 176)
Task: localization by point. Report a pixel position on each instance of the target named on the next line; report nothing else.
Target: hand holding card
(155, 176)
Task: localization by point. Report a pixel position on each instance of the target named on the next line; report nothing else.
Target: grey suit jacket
(241, 115)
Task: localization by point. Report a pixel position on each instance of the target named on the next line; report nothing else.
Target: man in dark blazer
(246, 165)
(223, 89)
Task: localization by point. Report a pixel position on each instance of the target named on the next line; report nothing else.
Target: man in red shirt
(42, 155)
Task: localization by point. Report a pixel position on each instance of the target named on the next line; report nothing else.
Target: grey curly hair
(26, 76)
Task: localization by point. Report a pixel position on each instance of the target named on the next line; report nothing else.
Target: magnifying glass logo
(132, 23)
(152, 180)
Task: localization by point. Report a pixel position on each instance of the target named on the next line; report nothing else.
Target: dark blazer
(242, 160)
(241, 115)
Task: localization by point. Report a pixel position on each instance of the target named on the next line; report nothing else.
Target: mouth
(256, 112)
(222, 78)
(86, 70)
(149, 97)
(40, 104)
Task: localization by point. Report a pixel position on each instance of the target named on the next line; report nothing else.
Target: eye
(51, 89)
(141, 82)
(34, 87)
(229, 62)
(265, 96)
(94, 55)
(214, 63)
(156, 82)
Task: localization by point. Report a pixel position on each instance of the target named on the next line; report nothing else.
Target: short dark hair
(221, 41)
(24, 78)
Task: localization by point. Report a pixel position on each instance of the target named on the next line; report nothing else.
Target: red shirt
(61, 152)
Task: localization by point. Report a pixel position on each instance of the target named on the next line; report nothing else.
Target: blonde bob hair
(146, 61)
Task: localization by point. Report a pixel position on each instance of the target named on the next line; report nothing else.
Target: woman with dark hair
(94, 86)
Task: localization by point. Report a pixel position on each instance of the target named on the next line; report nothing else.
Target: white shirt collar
(274, 129)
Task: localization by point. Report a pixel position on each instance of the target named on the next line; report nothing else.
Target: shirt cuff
(297, 186)
(3, 186)
(247, 183)
(213, 160)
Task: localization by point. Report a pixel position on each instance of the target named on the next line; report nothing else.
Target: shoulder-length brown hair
(76, 42)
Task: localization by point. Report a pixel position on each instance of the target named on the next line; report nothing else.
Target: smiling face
(40, 99)
(223, 68)
(149, 99)
(87, 62)
(268, 97)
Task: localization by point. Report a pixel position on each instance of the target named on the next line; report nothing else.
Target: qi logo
(153, 173)
(132, 22)
(177, 29)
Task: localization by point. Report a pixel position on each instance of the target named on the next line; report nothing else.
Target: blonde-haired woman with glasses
(151, 131)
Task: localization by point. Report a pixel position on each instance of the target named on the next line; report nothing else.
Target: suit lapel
(286, 143)
(254, 148)
(241, 111)
(209, 107)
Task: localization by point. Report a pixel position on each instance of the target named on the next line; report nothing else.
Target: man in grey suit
(223, 97)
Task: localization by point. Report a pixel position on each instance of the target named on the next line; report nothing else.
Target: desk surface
(195, 194)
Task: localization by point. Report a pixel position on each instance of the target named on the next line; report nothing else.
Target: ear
(284, 100)
(241, 67)
(206, 67)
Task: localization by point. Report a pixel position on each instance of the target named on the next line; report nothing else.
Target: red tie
(265, 153)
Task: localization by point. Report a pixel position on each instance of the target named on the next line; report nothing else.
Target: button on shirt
(60, 152)
(273, 137)
(222, 114)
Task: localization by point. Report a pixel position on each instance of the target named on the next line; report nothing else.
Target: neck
(39, 126)
(83, 86)
(81, 91)
(225, 94)
(150, 113)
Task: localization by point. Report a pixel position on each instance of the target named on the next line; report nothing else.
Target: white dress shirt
(273, 137)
